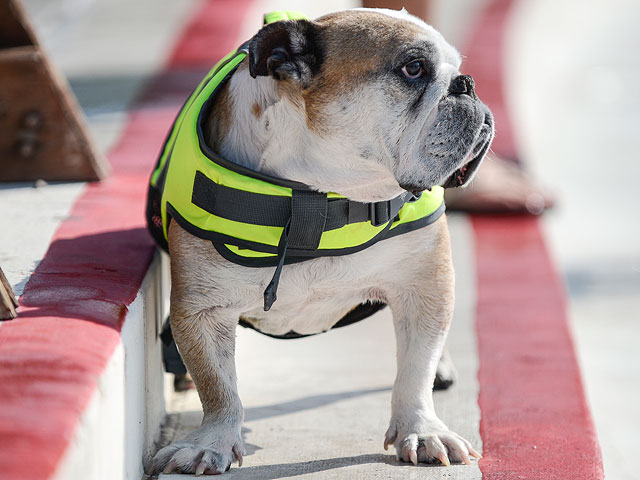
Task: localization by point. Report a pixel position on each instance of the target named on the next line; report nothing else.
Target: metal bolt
(32, 120)
(26, 149)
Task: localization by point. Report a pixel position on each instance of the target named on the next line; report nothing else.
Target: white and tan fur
(343, 129)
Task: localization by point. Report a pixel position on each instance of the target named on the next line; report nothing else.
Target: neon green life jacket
(255, 219)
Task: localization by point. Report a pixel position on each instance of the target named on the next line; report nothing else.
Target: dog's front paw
(210, 449)
(428, 442)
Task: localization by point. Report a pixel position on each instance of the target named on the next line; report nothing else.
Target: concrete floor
(572, 75)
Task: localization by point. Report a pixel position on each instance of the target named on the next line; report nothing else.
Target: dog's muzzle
(462, 175)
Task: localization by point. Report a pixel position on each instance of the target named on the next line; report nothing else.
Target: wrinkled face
(388, 85)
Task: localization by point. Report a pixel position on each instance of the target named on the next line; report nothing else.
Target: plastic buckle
(414, 198)
(373, 213)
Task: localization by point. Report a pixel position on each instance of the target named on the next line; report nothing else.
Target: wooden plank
(42, 131)
(13, 31)
(8, 302)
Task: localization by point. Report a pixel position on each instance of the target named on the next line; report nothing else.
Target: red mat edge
(535, 419)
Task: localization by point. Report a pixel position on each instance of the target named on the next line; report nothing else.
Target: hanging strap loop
(270, 293)
(303, 231)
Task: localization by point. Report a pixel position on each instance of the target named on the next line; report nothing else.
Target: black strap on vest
(270, 295)
(275, 211)
(308, 219)
(302, 232)
(304, 216)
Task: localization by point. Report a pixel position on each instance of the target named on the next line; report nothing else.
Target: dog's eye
(413, 69)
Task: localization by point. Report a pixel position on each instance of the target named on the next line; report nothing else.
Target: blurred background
(570, 78)
(569, 65)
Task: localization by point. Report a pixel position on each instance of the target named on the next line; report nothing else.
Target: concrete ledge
(121, 424)
(89, 403)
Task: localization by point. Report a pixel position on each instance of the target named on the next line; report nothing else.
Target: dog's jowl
(301, 189)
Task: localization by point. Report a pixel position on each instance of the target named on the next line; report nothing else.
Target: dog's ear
(288, 49)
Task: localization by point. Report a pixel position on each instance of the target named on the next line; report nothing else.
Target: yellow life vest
(255, 219)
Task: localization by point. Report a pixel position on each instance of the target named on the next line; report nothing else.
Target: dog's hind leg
(446, 374)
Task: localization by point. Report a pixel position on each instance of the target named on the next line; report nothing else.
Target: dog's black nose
(462, 85)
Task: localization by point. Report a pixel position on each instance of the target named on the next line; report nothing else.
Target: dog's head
(386, 84)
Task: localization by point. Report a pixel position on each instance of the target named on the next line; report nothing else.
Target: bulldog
(369, 104)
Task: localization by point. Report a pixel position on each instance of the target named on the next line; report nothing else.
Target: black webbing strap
(342, 212)
(304, 216)
(270, 293)
(240, 205)
(275, 211)
(308, 218)
(303, 231)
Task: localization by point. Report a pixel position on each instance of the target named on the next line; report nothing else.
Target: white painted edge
(121, 423)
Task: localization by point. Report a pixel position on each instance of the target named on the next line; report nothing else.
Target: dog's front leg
(206, 340)
(421, 321)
